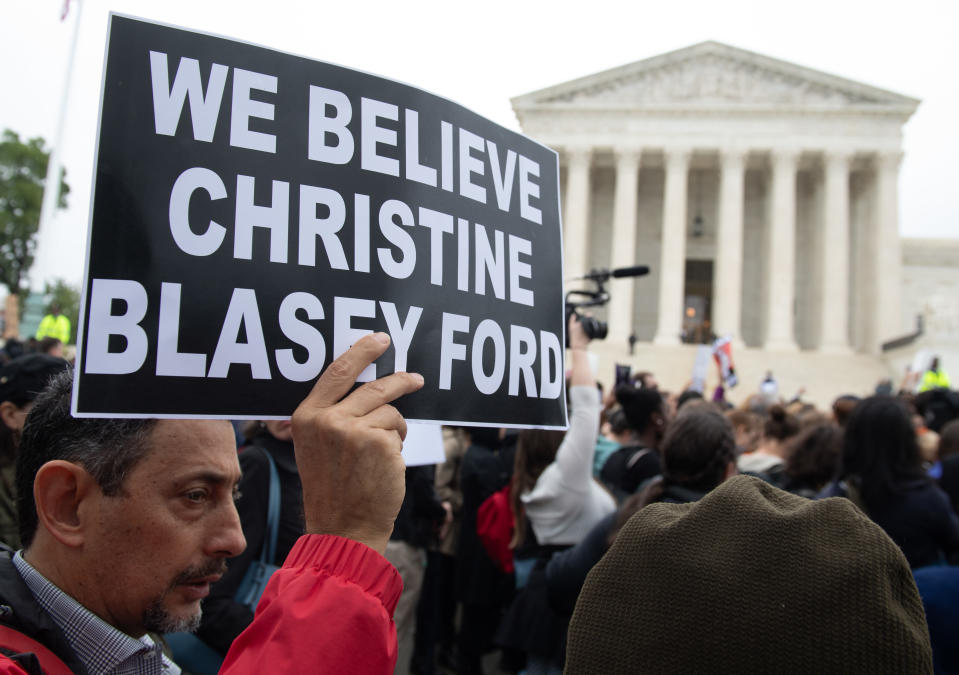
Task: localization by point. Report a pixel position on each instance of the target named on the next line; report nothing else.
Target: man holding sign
(126, 524)
(260, 219)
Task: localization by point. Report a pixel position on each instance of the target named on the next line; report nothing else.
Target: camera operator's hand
(579, 370)
(578, 339)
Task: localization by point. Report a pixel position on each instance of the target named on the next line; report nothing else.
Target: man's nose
(228, 540)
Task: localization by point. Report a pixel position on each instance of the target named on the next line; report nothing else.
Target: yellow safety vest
(932, 379)
(55, 326)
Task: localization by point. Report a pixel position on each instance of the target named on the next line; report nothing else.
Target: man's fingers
(374, 394)
(340, 375)
(386, 417)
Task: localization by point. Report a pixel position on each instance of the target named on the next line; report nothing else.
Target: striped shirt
(99, 646)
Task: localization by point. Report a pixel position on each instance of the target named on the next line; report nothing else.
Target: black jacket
(421, 513)
(628, 468)
(566, 571)
(478, 580)
(20, 610)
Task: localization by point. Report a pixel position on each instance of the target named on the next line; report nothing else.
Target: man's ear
(59, 490)
(10, 417)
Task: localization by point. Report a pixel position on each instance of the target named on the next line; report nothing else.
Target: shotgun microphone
(603, 275)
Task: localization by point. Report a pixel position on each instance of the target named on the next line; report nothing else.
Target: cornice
(848, 96)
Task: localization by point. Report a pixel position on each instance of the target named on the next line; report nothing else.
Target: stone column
(781, 260)
(577, 213)
(672, 260)
(728, 280)
(834, 320)
(624, 243)
(888, 265)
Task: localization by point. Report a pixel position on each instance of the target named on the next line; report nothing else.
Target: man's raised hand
(348, 450)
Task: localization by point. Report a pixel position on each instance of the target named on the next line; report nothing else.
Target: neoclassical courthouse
(762, 195)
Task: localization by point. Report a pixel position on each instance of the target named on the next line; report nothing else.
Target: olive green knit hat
(750, 579)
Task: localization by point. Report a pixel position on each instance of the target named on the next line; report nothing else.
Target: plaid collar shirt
(99, 646)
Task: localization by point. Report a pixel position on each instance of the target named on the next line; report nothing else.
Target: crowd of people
(661, 532)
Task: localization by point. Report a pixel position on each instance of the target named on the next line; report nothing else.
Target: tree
(68, 298)
(23, 169)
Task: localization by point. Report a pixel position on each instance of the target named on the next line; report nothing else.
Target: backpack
(494, 526)
(17, 645)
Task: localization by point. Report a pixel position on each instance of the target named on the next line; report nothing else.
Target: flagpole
(51, 186)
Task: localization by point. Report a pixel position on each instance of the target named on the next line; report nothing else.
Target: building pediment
(715, 76)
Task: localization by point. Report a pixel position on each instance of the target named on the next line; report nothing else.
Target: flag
(723, 353)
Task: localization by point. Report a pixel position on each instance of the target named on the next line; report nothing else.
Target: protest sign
(423, 445)
(256, 212)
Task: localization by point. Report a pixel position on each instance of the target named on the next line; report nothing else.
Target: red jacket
(329, 609)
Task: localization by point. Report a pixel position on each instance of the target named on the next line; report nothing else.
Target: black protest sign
(255, 213)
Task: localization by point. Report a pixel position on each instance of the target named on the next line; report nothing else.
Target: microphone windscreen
(634, 271)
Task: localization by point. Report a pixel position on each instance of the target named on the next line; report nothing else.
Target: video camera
(594, 328)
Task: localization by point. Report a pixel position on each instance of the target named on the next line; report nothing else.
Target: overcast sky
(482, 54)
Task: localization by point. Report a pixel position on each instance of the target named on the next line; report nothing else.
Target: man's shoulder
(21, 613)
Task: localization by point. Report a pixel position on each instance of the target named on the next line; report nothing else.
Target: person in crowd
(481, 587)
(748, 428)
(613, 434)
(949, 462)
(436, 611)
(769, 388)
(12, 349)
(224, 618)
(20, 382)
(882, 473)
(645, 380)
(934, 377)
(126, 523)
(51, 346)
(54, 324)
(936, 407)
(939, 589)
(749, 579)
(812, 459)
(884, 387)
(556, 502)
(698, 453)
(417, 523)
(769, 459)
(928, 442)
(806, 414)
(688, 396)
(842, 408)
(637, 460)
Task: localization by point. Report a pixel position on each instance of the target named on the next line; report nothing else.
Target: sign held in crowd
(255, 213)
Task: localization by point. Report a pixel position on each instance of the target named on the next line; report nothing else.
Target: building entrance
(697, 306)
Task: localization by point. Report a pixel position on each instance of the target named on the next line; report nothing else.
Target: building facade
(762, 195)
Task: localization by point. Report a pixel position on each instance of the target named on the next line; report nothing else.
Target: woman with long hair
(881, 471)
(556, 502)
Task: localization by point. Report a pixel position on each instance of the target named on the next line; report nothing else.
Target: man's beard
(157, 618)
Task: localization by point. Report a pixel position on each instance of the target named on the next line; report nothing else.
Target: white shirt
(566, 502)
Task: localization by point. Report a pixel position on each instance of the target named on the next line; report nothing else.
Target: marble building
(762, 195)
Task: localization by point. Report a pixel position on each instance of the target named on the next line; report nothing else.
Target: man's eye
(196, 496)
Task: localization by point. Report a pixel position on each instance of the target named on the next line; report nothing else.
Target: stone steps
(824, 376)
